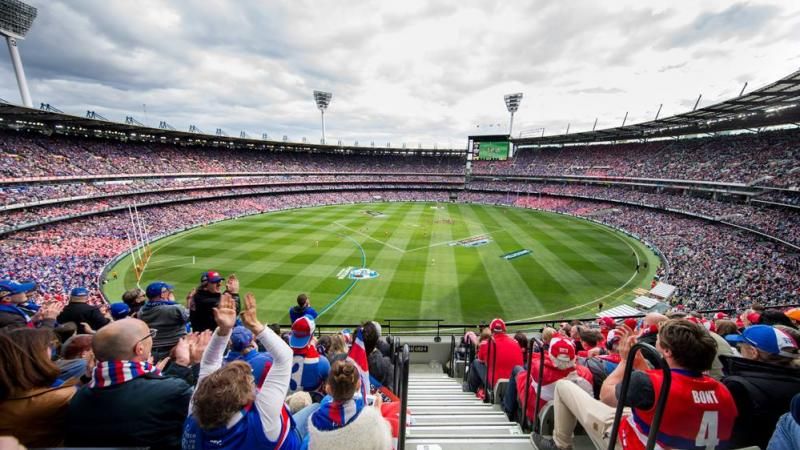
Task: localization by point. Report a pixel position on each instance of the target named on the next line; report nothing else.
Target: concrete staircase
(445, 418)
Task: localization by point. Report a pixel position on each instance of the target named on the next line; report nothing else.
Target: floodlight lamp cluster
(323, 99)
(16, 18)
(513, 101)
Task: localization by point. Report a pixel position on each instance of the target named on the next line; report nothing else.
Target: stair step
(464, 419)
(455, 430)
(449, 403)
(473, 442)
(425, 389)
(443, 397)
(447, 409)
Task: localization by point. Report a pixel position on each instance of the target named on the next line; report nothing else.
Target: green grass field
(573, 263)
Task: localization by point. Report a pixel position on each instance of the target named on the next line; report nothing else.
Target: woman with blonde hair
(343, 421)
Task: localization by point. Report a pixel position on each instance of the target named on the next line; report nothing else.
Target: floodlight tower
(323, 99)
(512, 104)
(16, 19)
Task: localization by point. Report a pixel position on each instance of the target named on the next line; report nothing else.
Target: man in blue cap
(161, 313)
(80, 312)
(243, 348)
(762, 381)
(12, 295)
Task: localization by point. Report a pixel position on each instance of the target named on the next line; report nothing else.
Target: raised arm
(270, 399)
(225, 316)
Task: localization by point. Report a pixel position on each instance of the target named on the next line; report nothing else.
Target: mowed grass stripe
(368, 296)
(440, 288)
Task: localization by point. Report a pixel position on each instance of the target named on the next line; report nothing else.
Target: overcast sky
(404, 71)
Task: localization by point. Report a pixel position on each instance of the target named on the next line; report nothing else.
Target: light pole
(323, 99)
(512, 104)
(16, 19)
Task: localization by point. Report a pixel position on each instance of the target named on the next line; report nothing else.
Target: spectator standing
(80, 312)
(33, 400)
(303, 308)
(762, 381)
(787, 433)
(309, 369)
(506, 354)
(161, 313)
(136, 406)
(206, 297)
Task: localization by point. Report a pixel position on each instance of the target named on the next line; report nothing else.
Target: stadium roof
(49, 119)
(775, 104)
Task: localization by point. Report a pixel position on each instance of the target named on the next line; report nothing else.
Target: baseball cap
(11, 287)
(753, 317)
(767, 339)
(720, 316)
(241, 338)
(607, 322)
(793, 313)
(612, 338)
(155, 289)
(562, 349)
(631, 323)
(210, 277)
(302, 331)
(497, 325)
(119, 310)
(79, 292)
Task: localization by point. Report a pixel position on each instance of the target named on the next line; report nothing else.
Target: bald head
(122, 340)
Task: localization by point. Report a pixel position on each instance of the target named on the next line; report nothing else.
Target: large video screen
(491, 150)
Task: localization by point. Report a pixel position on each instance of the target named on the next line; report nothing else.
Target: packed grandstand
(712, 194)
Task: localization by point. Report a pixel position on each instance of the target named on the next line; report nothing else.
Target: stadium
(513, 289)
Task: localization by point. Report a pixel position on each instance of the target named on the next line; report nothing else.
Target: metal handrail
(491, 361)
(524, 419)
(662, 394)
(401, 435)
(452, 372)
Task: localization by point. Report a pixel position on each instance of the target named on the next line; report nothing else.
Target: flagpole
(135, 233)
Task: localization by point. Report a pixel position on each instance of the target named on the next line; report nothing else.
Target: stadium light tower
(512, 104)
(16, 19)
(323, 99)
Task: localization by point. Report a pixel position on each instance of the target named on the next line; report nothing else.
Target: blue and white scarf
(332, 415)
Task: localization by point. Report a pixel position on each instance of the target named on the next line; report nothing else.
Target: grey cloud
(672, 67)
(739, 21)
(596, 90)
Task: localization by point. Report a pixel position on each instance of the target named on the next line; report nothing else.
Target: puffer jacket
(37, 417)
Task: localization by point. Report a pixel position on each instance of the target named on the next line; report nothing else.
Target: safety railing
(526, 424)
(623, 395)
(491, 363)
(403, 360)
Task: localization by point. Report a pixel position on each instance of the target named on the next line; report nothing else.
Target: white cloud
(413, 71)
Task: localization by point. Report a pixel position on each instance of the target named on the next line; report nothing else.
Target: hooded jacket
(578, 374)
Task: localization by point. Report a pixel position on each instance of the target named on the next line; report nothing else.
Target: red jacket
(578, 374)
(508, 354)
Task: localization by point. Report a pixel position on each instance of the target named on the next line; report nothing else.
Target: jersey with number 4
(699, 414)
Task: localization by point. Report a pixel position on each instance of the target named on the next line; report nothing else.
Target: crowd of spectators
(162, 378)
(29, 155)
(13, 195)
(769, 159)
(782, 223)
(740, 371)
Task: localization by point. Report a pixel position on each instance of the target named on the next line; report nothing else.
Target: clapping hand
(249, 315)
(197, 345)
(49, 311)
(225, 315)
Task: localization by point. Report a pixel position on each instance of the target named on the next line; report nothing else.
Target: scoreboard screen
(490, 150)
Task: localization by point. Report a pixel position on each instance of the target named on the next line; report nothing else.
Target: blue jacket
(259, 362)
(297, 312)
